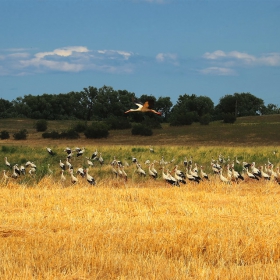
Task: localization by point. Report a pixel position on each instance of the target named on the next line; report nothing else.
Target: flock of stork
(170, 172)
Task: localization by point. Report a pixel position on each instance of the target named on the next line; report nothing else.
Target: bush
(152, 123)
(114, 122)
(97, 130)
(229, 118)
(4, 134)
(21, 135)
(70, 134)
(205, 119)
(186, 118)
(80, 127)
(140, 129)
(41, 125)
(53, 135)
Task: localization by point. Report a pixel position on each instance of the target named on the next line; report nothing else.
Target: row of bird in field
(168, 171)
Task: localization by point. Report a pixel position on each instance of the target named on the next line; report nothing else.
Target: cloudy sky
(154, 47)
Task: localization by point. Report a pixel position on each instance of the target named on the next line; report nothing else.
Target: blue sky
(154, 47)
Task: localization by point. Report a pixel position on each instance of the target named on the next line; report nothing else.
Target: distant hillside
(247, 131)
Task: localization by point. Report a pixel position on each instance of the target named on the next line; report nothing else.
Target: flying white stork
(146, 107)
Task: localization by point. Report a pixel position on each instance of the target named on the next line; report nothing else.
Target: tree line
(101, 104)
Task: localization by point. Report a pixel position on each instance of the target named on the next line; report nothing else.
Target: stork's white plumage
(223, 178)
(74, 179)
(203, 174)
(264, 175)
(5, 176)
(62, 177)
(14, 174)
(50, 151)
(151, 173)
(251, 175)
(139, 170)
(62, 165)
(90, 179)
(7, 163)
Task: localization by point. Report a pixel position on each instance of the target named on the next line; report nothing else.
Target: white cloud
(241, 58)
(114, 53)
(67, 59)
(167, 57)
(227, 63)
(68, 51)
(220, 71)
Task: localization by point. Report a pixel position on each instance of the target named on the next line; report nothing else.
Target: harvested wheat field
(150, 230)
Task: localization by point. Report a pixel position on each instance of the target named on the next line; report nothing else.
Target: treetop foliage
(93, 104)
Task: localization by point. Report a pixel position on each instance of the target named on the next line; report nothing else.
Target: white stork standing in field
(255, 170)
(5, 176)
(139, 169)
(17, 170)
(179, 179)
(237, 161)
(62, 177)
(146, 107)
(32, 171)
(74, 179)
(171, 178)
(179, 172)
(22, 170)
(167, 178)
(190, 177)
(7, 163)
(237, 175)
(90, 179)
(194, 174)
(80, 152)
(203, 174)
(124, 173)
(81, 172)
(151, 173)
(100, 159)
(115, 172)
(62, 165)
(251, 175)
(68, 164)
(14, 174)
(185, 162)
(223, 178)
(153, 168)
(94, 155)
(89, 162)
(264, 174)
(50, 151)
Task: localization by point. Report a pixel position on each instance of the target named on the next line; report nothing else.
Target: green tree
(190, 108)
(5, 108)
(164, 105)
(239, 104)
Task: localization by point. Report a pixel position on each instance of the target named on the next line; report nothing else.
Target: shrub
(114, 122)
(97, 130)
(4, 134)
(205, 119)
(229, 118)
(53, 135)
(80, 127)
(70, 134)
(140, 129)
(41, 125)
(152, 123)
(21, 135)
(185, 118)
